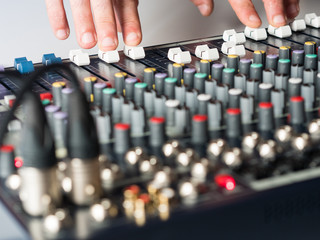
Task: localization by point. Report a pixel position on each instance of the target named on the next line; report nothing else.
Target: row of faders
(197, 129)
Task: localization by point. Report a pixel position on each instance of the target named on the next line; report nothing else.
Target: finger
(82, 16)
(292, 8)
(205, 6)
(246, 12)
(118, 24)
(127, 12)
(105, 24)
(275, 12)
(58, 19)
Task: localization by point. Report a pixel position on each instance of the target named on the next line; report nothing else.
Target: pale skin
(97, 21)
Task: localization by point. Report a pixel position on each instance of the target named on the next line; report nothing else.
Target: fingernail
(254, 19)
(204, 9)
(279, 19)
(292, 9)
(108, 43)
(131, 38)
(62, 34)
(87, 38)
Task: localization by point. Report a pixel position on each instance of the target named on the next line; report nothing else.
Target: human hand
(278, 11)
(97, 21)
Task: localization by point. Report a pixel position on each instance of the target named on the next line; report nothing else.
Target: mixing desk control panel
(154, 142)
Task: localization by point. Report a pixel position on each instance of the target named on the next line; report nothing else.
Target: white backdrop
(25, 29)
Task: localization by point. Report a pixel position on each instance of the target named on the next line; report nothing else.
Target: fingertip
(253, 25)
(254, 21)
(246, 13)
(88, 40)
(279, 20)
(128, 17)
(62, 34)
(205, 10)
(108, 44)
(276, 12)
(133, 38)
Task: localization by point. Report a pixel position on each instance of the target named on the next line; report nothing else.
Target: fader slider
(178, 56)
(256, 34)
(79, 58)
(109, 57)
(281, 32)
(312, 20)
(134, 53)
(231, 48)
(298, 25)
(233, 36)
(205, 53)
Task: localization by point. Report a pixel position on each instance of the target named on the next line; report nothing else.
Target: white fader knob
(178, 56)
(298, 25)
(227, 34)
(312, 20)
(110, 56)
(238, 38)
(281, 32)
(134, 53)
(205, 53)
(79, 58)
(233, 36)
(233, 49)
(256, 34)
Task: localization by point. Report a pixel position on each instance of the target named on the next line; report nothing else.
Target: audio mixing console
(211, 138)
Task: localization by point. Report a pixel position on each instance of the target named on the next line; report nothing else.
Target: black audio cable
(27, 86)
(38, 173)
(82, 141)
(38, 148)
